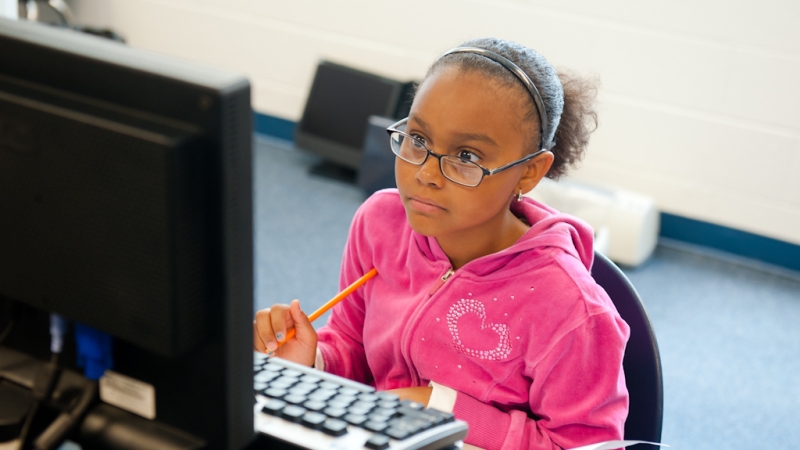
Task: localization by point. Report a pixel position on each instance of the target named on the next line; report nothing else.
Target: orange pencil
(339, 297)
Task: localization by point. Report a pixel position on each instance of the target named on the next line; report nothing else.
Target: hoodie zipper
(436, 285)
(441, 281)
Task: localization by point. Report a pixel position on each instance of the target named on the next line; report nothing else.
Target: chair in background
(376, 169)
(642, 362)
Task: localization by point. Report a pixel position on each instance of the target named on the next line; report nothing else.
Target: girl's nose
(429, 172)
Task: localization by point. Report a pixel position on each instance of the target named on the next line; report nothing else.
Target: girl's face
(469, 115)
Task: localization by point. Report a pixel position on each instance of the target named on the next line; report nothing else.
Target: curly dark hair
(568, 99)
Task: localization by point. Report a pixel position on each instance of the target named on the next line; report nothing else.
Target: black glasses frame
(484, 171)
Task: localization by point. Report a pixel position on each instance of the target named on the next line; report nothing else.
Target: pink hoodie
(530, 343)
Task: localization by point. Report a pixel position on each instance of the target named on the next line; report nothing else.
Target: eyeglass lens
(452, 167)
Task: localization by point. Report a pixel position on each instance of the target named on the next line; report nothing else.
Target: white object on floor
(610, 445)
(9, 9)
(626, 224)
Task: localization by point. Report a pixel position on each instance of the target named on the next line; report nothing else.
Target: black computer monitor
(126, 205)
(339, 106)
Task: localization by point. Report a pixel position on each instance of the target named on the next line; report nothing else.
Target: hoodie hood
(550, 231)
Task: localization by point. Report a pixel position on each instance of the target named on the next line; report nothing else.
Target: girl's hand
(270, 328)
(420, 394)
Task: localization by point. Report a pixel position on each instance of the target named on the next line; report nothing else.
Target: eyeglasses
(459, 170)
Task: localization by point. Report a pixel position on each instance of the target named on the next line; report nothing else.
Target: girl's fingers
(270, 333)
(263, 331)
(281, 321)
(303, 328)
(258, 344)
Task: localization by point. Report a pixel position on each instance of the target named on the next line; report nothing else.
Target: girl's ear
(535, 170)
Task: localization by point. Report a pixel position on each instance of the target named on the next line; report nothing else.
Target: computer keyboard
(312, 409)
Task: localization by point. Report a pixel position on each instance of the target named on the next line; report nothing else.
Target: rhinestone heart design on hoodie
(472, 306)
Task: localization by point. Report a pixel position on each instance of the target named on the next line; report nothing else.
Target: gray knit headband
(523, 77)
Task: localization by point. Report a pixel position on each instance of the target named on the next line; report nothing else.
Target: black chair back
(642, 362)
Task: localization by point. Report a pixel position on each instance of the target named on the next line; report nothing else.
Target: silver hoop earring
(519, 196)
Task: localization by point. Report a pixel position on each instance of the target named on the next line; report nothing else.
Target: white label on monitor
(129, 394)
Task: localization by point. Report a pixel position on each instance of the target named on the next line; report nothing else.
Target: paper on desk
(610, 445)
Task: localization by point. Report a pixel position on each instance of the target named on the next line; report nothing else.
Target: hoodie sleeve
(341, 340)
(578, 395)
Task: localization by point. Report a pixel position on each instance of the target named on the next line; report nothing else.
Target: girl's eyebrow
(461, 136)
(476, 137)
(418, 120)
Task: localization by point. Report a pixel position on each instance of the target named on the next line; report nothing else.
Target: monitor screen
(126, 205)
(338, 108)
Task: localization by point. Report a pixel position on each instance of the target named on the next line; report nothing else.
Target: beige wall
(700, 99)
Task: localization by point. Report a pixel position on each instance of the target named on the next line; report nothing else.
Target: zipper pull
(441, 281)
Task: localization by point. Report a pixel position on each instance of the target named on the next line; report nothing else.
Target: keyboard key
(435, 417)
(338, 404)
(329, 385)
(280, 385)
(275, 392)
(375, 426)
(421, 422)
(322, 394)
(358, 410)
(284, 379)
(272, 367)
(318, 397)
(377, 442)
(369, 406)
(349, 400)
(311, 405)
(406, 411)
(368, 397)
(355, 419)
(386, 396)
(349, 391)
(384, 412)
(259, 386)
(273, 407)
(304, 385)
(334, 412)
(396, 433)
(313, 420)
(388, 404)
(295, 399)
(300, 391)
(346, 398)
(292, 373)
(445, 417)
(415, 414)
(378, 417)
(403, 424)
(334, 427)
(293, 413)
(310, 379)
(410, 426)
(265, 376)
(412, 405)
(329, 392)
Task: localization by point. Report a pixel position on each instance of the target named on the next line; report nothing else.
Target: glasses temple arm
(514, 163)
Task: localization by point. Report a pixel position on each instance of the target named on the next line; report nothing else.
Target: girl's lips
(424, 205)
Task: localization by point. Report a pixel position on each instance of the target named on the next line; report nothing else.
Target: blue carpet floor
(727, 327)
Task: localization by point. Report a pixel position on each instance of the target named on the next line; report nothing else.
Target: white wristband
(442, 397)
(319, 363)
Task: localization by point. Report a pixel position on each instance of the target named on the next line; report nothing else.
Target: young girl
(483, 304)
